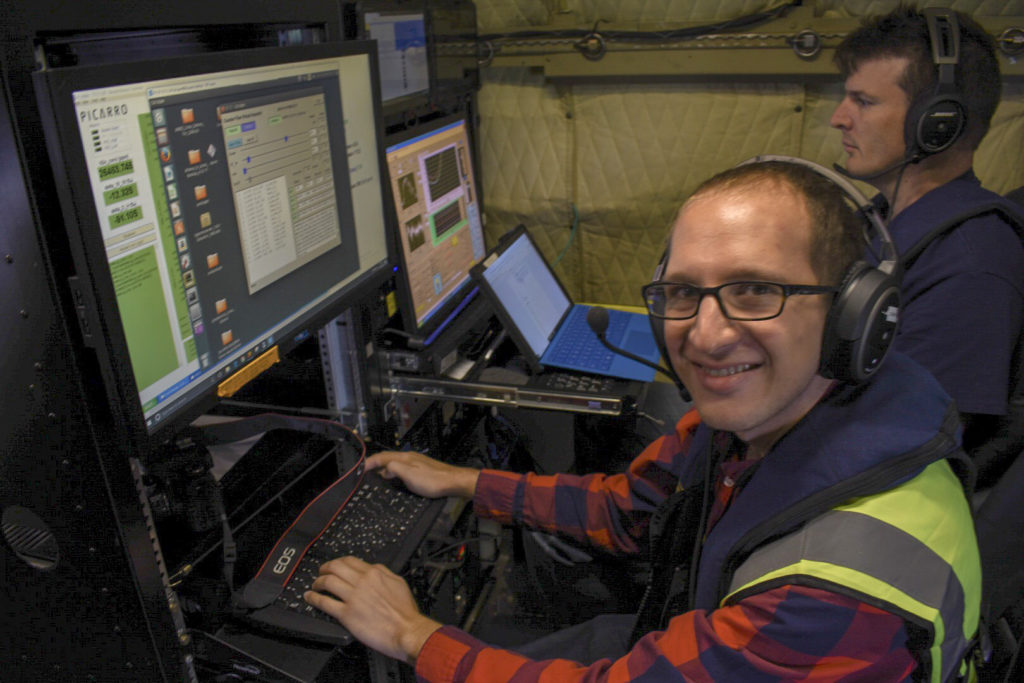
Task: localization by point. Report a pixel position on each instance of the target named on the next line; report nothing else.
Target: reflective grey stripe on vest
(880, 550)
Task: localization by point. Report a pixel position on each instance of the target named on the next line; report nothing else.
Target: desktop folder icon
(205, 220)
(226, 337)
(221, 306)
(212, 260)
(200, 192)
(194, 157)
(188, 115)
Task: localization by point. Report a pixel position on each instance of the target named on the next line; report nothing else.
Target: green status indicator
(123, 218)
(120, 193)
(116, 169)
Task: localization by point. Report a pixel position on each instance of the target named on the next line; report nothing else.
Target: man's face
(754, 378)
(871, 115)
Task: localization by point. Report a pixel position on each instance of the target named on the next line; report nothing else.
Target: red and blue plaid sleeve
(789, 633)
(608, 511)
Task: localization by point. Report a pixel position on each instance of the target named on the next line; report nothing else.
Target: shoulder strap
(1004, 208)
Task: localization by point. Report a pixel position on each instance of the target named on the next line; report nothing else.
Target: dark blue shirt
(963, 298)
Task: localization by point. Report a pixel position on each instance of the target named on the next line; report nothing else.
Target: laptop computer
(547, 327)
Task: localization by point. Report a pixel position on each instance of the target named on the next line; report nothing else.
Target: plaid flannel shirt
(787, 633)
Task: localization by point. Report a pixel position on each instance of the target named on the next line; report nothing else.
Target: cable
(572, 235)
(711, 463)
(452, 546)
(744, 21)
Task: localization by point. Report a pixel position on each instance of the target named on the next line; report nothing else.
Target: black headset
(936, 119)
(861, 323)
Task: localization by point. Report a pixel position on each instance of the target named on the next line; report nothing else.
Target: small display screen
(402, 47)
(438, 209)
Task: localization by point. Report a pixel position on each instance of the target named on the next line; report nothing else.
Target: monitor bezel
(402, 286)
(93, 291)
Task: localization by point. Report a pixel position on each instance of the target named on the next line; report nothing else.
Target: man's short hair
(837, 229)
(904, 33)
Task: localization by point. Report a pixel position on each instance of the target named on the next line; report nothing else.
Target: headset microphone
(597, 319)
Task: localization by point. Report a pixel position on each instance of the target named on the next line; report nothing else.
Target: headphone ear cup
(861, 324)
(933, 124)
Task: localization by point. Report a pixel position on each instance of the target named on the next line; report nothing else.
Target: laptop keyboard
(382, 522)
(579, 346)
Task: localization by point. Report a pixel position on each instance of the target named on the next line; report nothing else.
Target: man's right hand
(424, 475)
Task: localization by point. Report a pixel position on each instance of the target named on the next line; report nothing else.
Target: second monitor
(437, 202)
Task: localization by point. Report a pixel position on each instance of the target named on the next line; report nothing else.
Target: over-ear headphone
(861, 324)
(936, 119)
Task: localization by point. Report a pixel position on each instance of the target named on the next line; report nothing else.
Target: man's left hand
(375, 605)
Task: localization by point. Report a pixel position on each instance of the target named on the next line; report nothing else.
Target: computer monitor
(401, 30)
(219, 208)
(438, 210)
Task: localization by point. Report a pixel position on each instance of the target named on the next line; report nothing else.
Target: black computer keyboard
(381, 523)
(577, 382)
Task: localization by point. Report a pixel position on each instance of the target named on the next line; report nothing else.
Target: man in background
(963, 294)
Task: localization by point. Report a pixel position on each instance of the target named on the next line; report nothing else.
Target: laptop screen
(529, 292)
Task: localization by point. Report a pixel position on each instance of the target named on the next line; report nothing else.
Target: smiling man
(964, 294)
(798, 526)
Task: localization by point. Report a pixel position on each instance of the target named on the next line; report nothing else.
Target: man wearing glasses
(798, 526)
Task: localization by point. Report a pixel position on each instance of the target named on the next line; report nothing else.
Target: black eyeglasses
(737, 300)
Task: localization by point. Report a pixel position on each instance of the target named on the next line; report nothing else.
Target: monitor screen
(224, 205)
(402, 48)
(437, 203)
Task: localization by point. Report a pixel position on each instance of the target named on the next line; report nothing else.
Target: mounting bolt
(592, 46)
(806, 44)
(1011, 41)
